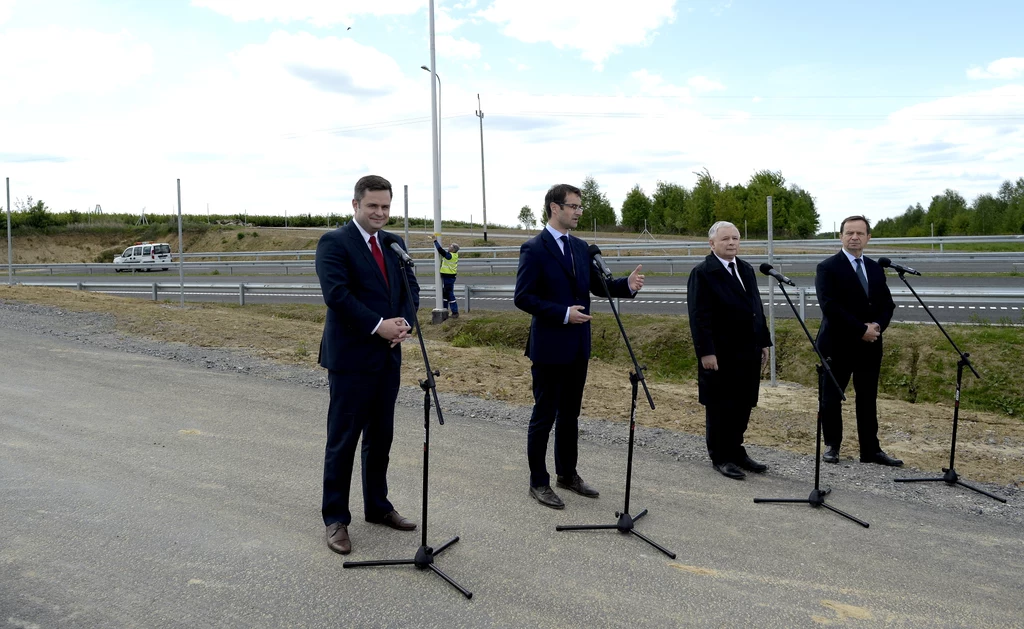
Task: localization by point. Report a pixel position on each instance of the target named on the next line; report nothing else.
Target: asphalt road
(142, 492)
(946, 310)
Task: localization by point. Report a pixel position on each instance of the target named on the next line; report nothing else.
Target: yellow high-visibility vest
(450, 267)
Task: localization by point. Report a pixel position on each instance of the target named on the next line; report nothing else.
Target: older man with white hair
(731, 339)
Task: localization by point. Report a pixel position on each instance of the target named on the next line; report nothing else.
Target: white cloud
(56, 60)
(316, 12)
(654, 85)
(444, 22)
(456, 47)
(704, 84)
(598, 29)
(1006, 68)
(6, 8)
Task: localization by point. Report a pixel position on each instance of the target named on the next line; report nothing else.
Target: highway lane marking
(633, 301)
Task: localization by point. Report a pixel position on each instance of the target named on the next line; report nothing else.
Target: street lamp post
(483, 184)
(437, 315)
(438, 77)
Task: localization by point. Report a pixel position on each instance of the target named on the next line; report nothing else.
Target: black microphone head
(593, 250)
(885, 263)
(765, 268)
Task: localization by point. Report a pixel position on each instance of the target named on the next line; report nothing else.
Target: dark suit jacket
(357, 299)
(845, 308)
(546, 286)
(729, 322)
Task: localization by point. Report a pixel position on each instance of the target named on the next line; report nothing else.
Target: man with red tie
(361, 349)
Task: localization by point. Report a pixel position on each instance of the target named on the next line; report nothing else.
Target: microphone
(397, 248)
(886, 263)
(768, 269)
(595, 253)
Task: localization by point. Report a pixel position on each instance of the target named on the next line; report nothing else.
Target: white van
(144, 255)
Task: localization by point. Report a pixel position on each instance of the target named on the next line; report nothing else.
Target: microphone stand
(625, 524)
(817, 497)
(950, 477)
(424, 558)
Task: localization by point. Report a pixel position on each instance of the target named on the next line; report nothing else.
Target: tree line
(950, 215)
(675, 209)
(36, 215)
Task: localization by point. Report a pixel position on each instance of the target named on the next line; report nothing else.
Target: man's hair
(557, 194)
(371, 183)
(454, 246)
(842, 226)
(720, 224)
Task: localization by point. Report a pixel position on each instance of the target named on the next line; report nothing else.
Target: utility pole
(771, 290)
(438, 313)
(10, 244)
(483, 184)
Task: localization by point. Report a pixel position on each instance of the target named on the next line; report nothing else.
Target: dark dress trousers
(846, 310)
(727, 320)
(363, 371)
(546, 285)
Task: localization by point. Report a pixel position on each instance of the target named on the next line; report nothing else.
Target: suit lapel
(749, 284)
(728, 277)
(364, 253)
(554, 250)
(850, 274)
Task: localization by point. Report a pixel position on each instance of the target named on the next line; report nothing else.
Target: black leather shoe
(337, 538)
(751, 465)
(882, 459)
(395, 521)
(831, 455)
(730, 470)
(577, 484)
(547, 497)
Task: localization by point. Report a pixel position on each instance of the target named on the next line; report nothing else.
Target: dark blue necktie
(860, 276)
(567, 253)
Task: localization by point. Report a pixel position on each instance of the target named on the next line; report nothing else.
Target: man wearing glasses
(553, 283)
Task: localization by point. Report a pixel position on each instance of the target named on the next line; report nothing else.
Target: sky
(273, 107)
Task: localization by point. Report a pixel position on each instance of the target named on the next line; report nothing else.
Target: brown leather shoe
(337, 538)
(395, 521)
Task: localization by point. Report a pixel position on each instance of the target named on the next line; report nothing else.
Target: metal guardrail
(469, 291)
(700, 244)
(505, 264)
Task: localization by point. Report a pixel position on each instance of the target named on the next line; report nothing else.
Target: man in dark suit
(553, 283)
(731, 340)
(361, 348)
(856, 307)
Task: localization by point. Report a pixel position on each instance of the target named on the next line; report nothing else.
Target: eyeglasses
(572, 206)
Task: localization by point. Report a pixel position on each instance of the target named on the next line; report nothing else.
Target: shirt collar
(725, 262)
(554, 232)
(852, 257)
(366, 235)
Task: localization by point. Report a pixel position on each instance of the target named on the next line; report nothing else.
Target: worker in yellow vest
(449, 269)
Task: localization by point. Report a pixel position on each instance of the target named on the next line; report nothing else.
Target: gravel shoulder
(849, 476)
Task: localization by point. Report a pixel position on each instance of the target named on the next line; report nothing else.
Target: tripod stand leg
(379, 562)
(980, 491)
(585, 527)
(640, 515)
(845, 515)
(666, 551)
(439, 549)
(450, 581)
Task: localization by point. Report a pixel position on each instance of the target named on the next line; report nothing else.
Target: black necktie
(567, 253)
(735, 276)
(860, 276)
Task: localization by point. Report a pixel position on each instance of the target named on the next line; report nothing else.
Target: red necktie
(378, 255)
